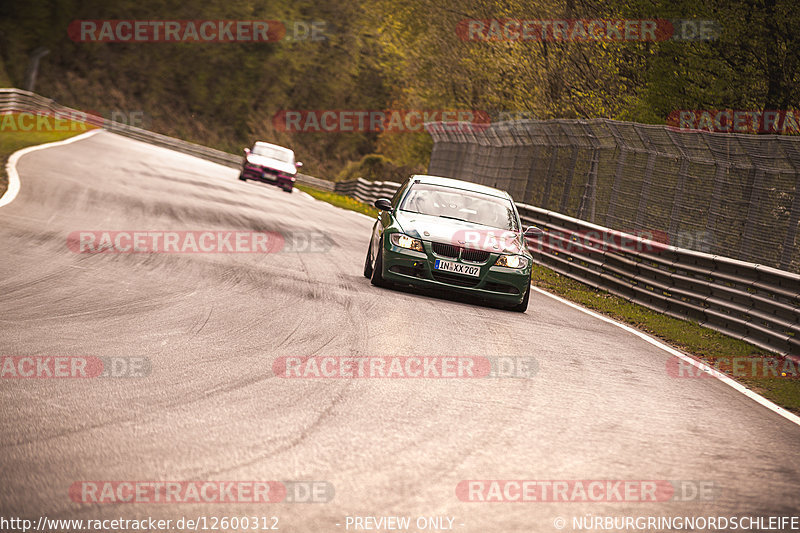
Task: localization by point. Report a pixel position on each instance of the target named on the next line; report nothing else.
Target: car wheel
(288, 189)
(241, 176)
(523, 305)
(377, 270)
(368, 262)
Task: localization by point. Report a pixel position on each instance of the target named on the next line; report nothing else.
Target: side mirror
(383, 204)
(533, 232)
(247, 151)
(298, 164)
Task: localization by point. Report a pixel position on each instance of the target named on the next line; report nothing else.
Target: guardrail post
(614, 198)
(791, 232)
(551, 171)
(573, 161)
(677, 199)
(746, 251)
(622, 157)
(644, 194)
(792, 155)
(590, 191)
(716, 199)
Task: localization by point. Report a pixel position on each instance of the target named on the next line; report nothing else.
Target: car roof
(460, 184)
(270, 145)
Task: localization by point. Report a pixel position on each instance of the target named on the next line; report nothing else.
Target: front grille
(445, 250)
(454, 252)
(454, 279)
(474, 256)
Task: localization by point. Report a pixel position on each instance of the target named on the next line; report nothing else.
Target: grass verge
(340, 200)
(742, 361)
(13, 140)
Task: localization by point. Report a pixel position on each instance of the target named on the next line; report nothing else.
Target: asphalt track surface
(601, 407)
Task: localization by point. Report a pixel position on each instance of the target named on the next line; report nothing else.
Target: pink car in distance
(271, 164)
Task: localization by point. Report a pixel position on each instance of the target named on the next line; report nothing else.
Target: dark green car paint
(497, 284)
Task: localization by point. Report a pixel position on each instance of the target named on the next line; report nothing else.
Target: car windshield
(459, 204)
(287, 156)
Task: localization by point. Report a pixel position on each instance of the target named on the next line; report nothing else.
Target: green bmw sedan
(443, 233)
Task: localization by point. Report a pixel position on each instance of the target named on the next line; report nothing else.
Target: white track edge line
(14, 186)
(11, 167)
(702, 366)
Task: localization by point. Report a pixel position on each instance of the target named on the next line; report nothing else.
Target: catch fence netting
(732, 195)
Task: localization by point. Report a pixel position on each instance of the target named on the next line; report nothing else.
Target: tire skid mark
(293, 442)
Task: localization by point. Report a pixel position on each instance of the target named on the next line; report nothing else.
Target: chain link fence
(731, 195)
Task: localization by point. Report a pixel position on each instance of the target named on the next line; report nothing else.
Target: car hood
(459, 233)
(268, 162)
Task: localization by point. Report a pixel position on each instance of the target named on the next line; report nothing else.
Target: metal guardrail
(755, 303)
(317, 183)
(728, 194)
(17, 100)
(360, 189)
(365, 190)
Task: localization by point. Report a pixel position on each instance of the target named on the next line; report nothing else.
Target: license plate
(457, 268)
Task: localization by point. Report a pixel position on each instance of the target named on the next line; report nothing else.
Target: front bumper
(498, 284)
(268, 176)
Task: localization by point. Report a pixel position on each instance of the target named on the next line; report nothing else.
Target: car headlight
(512, 261)
(404, 241)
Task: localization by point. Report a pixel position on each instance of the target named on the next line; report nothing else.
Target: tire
(288, 189)
(523, 305)
(241, 176)
(368, 262)
(377, 271)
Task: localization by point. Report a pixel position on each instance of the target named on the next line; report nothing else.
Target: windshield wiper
(453, 218)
